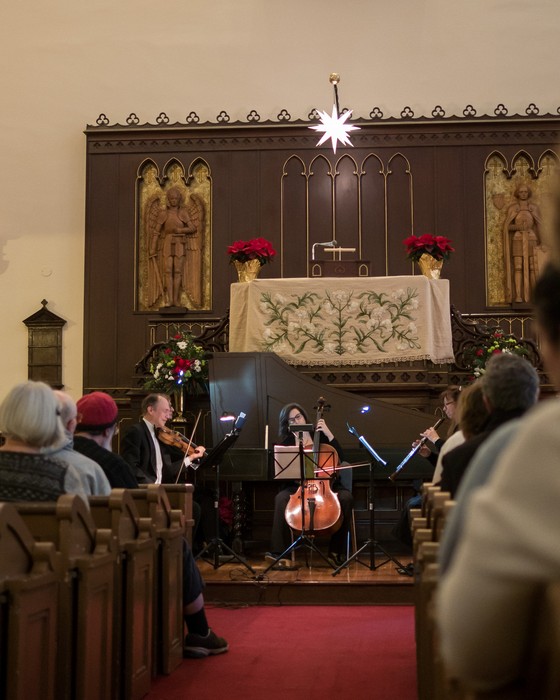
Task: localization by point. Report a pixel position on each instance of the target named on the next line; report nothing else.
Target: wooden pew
(134, 545)
(84, 649)
(427, 531)
(168, 529)
(29, 586)
(180, 497)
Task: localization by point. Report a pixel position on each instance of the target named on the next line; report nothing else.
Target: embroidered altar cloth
(343, 321)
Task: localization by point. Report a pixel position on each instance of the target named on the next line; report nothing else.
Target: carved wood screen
(450, 176)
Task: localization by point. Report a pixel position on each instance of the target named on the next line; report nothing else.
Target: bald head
(68, 411)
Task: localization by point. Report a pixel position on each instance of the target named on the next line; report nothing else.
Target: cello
(314, 507)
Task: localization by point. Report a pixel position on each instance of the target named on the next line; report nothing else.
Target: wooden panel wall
(270, 180)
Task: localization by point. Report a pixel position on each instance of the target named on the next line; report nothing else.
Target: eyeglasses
(296, 418)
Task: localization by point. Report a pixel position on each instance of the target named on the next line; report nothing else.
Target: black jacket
(137, 448)
(456, 461)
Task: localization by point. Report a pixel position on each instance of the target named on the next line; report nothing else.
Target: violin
(314, 507)
(176, 439)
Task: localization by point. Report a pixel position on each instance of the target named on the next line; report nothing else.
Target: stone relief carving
(517, 201)
(174, 236)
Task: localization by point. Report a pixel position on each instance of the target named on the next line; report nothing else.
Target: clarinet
(413, 451)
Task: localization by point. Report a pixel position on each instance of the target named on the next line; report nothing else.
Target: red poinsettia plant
(256, 249)
(439, 247)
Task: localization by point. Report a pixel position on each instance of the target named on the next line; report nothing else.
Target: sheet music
(286, 462)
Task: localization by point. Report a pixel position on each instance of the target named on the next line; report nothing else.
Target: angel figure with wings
(175, 249)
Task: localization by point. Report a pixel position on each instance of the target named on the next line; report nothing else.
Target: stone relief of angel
(174, 237)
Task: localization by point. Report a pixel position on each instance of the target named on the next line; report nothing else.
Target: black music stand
(371, 543)
(303, 538)
(221, 552)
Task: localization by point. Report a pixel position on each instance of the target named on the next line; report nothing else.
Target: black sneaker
(197, 647)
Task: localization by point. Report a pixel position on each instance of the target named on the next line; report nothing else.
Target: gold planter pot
(247, 271)
(430, 267)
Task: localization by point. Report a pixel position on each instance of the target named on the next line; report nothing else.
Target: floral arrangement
(256, 249)
(477, 356)
(439, 247)
(176, 363)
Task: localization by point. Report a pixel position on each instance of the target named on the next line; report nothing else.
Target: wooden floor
(308, 582)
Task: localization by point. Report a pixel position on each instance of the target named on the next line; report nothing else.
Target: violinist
(293, 414)
(153, 460)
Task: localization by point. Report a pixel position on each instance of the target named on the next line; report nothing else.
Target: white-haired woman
(30, 423)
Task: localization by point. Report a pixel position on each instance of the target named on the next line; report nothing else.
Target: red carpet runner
(302, 653)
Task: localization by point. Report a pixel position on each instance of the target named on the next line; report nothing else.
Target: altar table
(343, 321)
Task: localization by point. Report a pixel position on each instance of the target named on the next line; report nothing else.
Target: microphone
(326, 244)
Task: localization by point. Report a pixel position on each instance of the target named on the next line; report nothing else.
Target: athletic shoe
(197, 647)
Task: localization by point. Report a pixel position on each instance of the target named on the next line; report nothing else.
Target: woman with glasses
(450, 397)
(292, 415)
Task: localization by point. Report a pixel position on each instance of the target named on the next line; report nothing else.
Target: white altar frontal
(343, 321)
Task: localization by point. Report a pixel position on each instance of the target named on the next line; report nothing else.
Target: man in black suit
(152, 460)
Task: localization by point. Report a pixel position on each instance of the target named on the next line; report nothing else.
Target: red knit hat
(96, 411)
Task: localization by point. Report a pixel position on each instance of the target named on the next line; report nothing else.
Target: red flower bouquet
(176, 363)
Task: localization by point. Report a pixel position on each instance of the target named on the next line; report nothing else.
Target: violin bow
(190, 442)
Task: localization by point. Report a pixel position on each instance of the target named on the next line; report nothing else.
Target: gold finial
(334, 78)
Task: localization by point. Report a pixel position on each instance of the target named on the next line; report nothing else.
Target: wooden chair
(29, 619)
(134, 544)
(84, 648)
(168, 529)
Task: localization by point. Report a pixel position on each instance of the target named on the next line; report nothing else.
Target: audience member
(510, 386)
(98, 417)
(93, 478)
(509, 546)
(30, 423)
(97, 424)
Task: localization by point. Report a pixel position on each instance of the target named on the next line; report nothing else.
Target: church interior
(191, 201)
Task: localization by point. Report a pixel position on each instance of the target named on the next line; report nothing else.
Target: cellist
(290, 415)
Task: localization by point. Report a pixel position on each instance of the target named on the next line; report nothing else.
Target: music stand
(217, 546)
(303, 539)
(371, 543)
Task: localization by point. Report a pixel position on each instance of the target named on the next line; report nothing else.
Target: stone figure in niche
(175, 249)
(522, 244)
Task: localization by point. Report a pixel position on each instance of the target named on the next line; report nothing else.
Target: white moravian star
(335, 128)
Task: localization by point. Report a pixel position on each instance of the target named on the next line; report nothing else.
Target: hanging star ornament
(335, 128)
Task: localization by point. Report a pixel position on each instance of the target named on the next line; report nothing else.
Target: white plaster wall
(65, 61)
